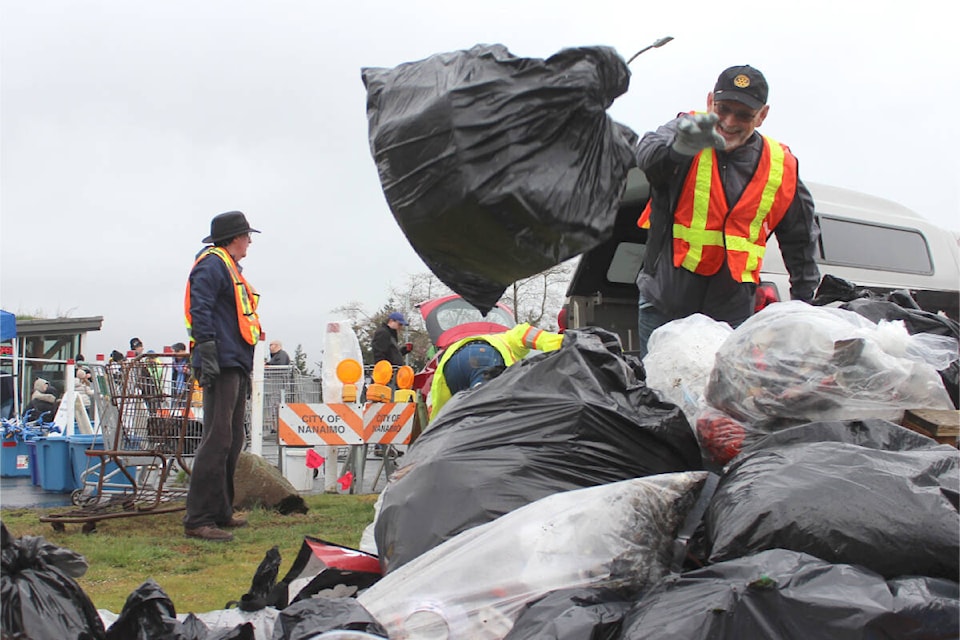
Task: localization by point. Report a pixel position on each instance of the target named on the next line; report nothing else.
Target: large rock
(257, 483)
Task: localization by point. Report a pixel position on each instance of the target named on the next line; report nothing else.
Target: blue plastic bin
(14, 458)
(114, 479)
(34, 465)
(53, 459)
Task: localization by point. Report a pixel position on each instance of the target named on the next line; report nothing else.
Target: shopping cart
(150, 420)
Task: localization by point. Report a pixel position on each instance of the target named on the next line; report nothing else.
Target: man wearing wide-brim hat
(221, 315)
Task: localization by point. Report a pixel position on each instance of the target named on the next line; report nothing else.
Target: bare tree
(538, 299)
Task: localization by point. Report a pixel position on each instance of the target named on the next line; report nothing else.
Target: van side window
(626, 262)
(855, 243)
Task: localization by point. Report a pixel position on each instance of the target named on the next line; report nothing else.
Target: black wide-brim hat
(228, 225)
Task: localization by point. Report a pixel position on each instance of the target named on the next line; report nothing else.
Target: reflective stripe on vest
(245, 295)
(706, 230)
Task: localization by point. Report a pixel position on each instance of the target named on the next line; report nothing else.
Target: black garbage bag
(498, 167)
(325, 569)
(262, 590)
(573, 614)
(793, 596)
(39, 595)
(149, 614)
(305, 619)
(891, 510)
(569, 419)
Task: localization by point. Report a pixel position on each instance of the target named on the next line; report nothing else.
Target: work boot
(209, 532)
(234, 523)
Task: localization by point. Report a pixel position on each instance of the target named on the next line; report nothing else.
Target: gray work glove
(209, 363)
(697, 132)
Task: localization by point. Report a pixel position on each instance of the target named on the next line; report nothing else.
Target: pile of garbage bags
(566, 499)
(793, 363)
(497, 167)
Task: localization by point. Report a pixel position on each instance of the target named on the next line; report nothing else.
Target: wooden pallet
(943, 425)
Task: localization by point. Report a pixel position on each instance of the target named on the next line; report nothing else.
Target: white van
(871, 242)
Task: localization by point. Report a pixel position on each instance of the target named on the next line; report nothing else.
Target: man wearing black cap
(718, 189)
(221, 314)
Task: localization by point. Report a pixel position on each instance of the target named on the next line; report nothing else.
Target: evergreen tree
(300, 361)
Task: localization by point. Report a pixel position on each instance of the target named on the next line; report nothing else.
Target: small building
(42, 347)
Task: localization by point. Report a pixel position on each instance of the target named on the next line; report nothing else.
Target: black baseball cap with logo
(743, 84)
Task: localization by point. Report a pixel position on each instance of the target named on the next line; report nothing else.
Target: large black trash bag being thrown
(39, 596)
(891, 511)
(498, 167)
(793, 596)
(569, 419)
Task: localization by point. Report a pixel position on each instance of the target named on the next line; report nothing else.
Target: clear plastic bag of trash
(802, 363)
(679, 358)
(476, 584)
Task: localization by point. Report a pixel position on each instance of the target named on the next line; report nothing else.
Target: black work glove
(697, 132)
(209, 363)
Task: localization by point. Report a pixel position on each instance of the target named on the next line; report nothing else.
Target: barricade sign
(302, 424)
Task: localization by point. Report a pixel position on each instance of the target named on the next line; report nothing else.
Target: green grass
(198, 576)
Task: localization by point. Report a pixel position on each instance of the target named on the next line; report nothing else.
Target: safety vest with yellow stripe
(512, 345)
(245, 295)
(706, 230)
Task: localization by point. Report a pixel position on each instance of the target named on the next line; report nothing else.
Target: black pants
(210, 498)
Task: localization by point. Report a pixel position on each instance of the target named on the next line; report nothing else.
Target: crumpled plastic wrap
(476, 584)
(800, 363)
(679, 358)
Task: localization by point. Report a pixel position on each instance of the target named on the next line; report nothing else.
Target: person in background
(43, 401)
(385, 343)
(718, 189)
(180, 372)
(278, 357)
(136, 346)
(83, 386)
(220, 309)
(470, 362)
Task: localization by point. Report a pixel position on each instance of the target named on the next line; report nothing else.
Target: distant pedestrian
(386, 341)
(221, 314)
(278, 357)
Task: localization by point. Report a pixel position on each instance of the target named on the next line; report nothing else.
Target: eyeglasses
(724, 110)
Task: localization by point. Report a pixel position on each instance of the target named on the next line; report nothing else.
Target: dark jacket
(679, 293)
(213, 309)
(280, 358)
(385, 346)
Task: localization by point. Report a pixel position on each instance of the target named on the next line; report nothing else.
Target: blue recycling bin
(34, 465)
(87, 469)
(53, 460)
(14, 458)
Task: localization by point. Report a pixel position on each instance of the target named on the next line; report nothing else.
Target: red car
(451, 318)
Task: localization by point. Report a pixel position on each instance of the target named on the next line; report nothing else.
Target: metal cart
(151, 426)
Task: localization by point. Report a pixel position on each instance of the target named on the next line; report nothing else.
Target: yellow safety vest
(512, 345)
(246, 296)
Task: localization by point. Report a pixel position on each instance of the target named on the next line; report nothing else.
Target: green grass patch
(198, 576)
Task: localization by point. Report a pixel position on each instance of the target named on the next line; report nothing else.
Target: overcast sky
(126, 125)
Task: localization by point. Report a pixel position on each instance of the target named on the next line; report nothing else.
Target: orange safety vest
(706, 229)
(246, 296)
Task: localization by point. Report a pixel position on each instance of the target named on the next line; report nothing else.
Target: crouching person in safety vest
(221, 314)
(466, 363)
